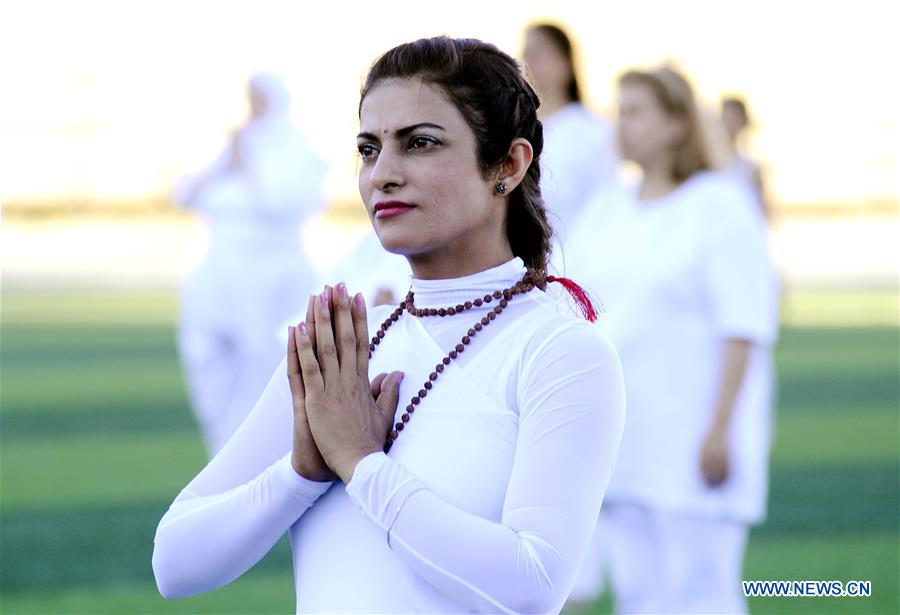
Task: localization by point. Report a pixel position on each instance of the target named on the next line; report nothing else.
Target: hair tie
(580, 296)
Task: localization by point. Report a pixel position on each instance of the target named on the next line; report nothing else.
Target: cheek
(364, 185)
(454, 193)
(443, 185)
(641, 133)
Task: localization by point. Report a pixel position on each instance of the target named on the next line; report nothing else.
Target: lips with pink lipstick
(387, 209)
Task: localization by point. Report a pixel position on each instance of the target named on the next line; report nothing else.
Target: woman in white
(681, 264)
(483, 495)
(381, 276)
(254, 198)
(736, 121)
(579, 146)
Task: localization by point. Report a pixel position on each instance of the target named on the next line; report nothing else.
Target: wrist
(718, 430)
(347, 468)
(317, 475)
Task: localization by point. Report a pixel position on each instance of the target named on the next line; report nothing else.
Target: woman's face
(733, 119)
(645, 130)
(418, 152)
(548, 65)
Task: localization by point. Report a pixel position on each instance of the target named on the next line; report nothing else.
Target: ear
(518, 159)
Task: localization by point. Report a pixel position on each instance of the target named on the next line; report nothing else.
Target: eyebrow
(402, 132)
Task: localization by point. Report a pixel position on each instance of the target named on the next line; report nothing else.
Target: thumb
(390, 395)
(375, 385)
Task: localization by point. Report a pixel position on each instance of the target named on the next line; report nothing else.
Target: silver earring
(500, 188)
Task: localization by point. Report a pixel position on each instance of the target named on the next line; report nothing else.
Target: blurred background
(106, 105)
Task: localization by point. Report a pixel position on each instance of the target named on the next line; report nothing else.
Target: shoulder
(567, 365)
(715, 186)
(560, 334)
(722, 200)
(601, 202)
(587, 122)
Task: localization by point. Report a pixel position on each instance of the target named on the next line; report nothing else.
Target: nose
(387, 173)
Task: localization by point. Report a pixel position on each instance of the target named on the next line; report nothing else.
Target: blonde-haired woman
(681, 263)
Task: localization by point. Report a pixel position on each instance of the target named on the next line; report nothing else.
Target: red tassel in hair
(581, 297)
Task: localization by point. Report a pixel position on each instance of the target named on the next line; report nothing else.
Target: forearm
(735, 355)
(203, 543)
(524, 563)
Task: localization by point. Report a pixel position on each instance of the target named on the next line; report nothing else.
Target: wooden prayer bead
(408, 305)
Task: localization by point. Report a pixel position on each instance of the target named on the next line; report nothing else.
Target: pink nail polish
(302, 328)
(342, 289)
(358, 300)
(323, 298)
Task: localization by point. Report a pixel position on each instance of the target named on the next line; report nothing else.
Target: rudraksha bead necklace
(407, 305)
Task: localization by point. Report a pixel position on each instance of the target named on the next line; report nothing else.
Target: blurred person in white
(254, 198)
(681, 263)
(482, 493)
(579, 146)
(736, 121)
(381, 276)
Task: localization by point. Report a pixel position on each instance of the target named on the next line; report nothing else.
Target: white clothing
(666, 562)
(368, 267)
(578, 159)
(678, 276)
(255, 274)
(746, 171)
(504, 465)
(742, 168)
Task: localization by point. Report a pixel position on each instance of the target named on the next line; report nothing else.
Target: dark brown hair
(563, 43)
(488, 88)
(674, 95)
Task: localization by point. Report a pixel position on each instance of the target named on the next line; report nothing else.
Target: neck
(733, 141)
(657, 181)
(551, 104)
(434, 293)
(443, 265)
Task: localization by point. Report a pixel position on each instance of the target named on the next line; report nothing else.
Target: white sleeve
(740, 276)
(571, 415)
(184, 191)
(232, 513)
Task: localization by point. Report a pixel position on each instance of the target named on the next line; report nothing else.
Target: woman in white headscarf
(254, 197)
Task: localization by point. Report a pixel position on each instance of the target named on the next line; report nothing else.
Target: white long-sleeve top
(498, 476)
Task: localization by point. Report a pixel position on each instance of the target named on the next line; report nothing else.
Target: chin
(396, 242)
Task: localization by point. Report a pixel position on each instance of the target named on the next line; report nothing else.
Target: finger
(361, 326)
(326, 352)
(376, 384)
(723, 473)
(311, 321)
(309, 366)
(344, 333)
(390, 395)
(295, 377)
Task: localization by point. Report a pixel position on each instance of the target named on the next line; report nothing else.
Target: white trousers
(658, 561)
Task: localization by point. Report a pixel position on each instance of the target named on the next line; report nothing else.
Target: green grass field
(97, 439)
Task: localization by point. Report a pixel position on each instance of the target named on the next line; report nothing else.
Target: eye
(423, 143)
(367, 152)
